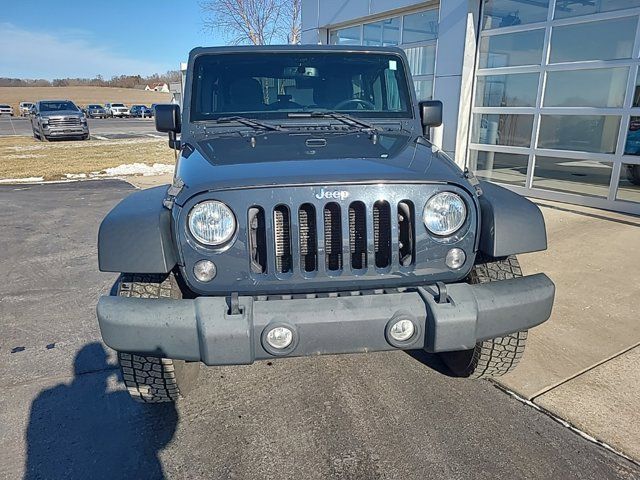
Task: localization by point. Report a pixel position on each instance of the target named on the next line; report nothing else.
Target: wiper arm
(249, 122)
(343, 117)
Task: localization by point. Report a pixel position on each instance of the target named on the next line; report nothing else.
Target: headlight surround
(212, 223)
(444, 214)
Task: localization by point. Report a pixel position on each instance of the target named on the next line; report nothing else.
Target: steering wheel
(366, 105)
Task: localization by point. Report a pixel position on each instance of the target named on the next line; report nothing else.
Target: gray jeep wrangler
(310, 215)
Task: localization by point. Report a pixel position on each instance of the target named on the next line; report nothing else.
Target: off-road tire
(496, 356)
(152, 379)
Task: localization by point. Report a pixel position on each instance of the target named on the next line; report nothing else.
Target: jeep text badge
(332, 194)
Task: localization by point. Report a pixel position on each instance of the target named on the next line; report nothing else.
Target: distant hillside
(80, 95)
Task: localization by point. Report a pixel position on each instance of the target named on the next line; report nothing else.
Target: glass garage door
(416, 32)
(556, 110)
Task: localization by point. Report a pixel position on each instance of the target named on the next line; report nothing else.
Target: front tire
(151, 379)
(497, 356)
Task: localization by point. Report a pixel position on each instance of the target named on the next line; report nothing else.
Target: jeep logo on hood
(332, 194)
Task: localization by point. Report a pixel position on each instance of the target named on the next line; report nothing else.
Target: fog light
(279, 337)
(204, 270)
(402, 330)
(455, 258)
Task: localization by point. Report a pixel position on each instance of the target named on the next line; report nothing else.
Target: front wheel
(496, 356)
(151, 379)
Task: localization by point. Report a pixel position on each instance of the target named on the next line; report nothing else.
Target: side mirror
(168, 121)
(431, 113)
(168, 118)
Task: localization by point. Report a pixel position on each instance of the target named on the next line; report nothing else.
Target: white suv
(6, 109)
(117, 110)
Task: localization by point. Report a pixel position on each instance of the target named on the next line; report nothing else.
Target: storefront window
(603, 40)
(522, 48)
(382, 33)
(574, 8)
(502, 129)
(516, 90)
(603, 87)
(506, 13)
(345, 36)
(629, 184)
(583, 133)
(420, 27)
(422, 60)
(584, 177)
(500, 167)
(424, 89)
(632, 145)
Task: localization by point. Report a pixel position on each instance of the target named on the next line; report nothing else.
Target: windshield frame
(404, 84)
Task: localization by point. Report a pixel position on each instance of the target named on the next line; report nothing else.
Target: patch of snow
(136, 169)
(27, 155)
(22, 180)
(76, 175)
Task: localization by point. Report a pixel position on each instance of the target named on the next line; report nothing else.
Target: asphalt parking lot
(65, 414)
(99, 127)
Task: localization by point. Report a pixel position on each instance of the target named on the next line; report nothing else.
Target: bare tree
(257, 22)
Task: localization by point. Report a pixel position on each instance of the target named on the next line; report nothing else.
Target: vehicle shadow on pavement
(85, 430)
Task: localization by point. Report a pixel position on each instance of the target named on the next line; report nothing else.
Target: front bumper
(69, 131)
(204, 329)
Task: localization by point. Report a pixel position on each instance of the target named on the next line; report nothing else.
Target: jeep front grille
(332, 237)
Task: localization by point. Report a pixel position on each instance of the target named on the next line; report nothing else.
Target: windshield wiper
(343, 117)
(249, 122)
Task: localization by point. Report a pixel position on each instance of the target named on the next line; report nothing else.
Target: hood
(62, 113)
(283, 158)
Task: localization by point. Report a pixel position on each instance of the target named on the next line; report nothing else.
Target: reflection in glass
(584, 177)
(603, 40)
(573, 8)
(632, 145)
(602, 87)
(345, 36)
(424, 89)
(422, 60)
(515, 90)
(584, 133)
(505, 13)
(382, 33)
(522, 48)
(502, 129)
(499, 167)
(629, 184)
(636, 92)
(420, 27)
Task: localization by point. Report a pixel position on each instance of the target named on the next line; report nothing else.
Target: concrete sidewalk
(581, 365)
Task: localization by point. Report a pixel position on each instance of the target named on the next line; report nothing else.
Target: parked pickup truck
(309, 215)
(58, 119)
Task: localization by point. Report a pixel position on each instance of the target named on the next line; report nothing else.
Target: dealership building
(541, 96)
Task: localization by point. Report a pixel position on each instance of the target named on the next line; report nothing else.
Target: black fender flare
(135, 236)
(510, 223)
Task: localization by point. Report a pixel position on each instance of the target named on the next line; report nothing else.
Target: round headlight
(444, 213)
(212, 223)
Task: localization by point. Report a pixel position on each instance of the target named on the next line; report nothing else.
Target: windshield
(57, 106)
(117, 104)
(271, 85)
(4, 105)
(95, 106)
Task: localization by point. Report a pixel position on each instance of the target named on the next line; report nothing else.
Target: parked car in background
(95, 110)
(6, 109)
(117, 110)
(141, 111)
(58, 119)
(25, 108)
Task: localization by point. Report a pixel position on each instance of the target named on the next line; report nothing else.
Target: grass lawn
(24, 157)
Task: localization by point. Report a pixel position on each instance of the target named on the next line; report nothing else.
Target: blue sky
(83, 38)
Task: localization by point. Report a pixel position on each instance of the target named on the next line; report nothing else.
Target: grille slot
(257, 240)
(358, 235)
(333, 236)
(406, 233)
(282, 231)
(65, 122)
(382, 233)
(308, 237)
